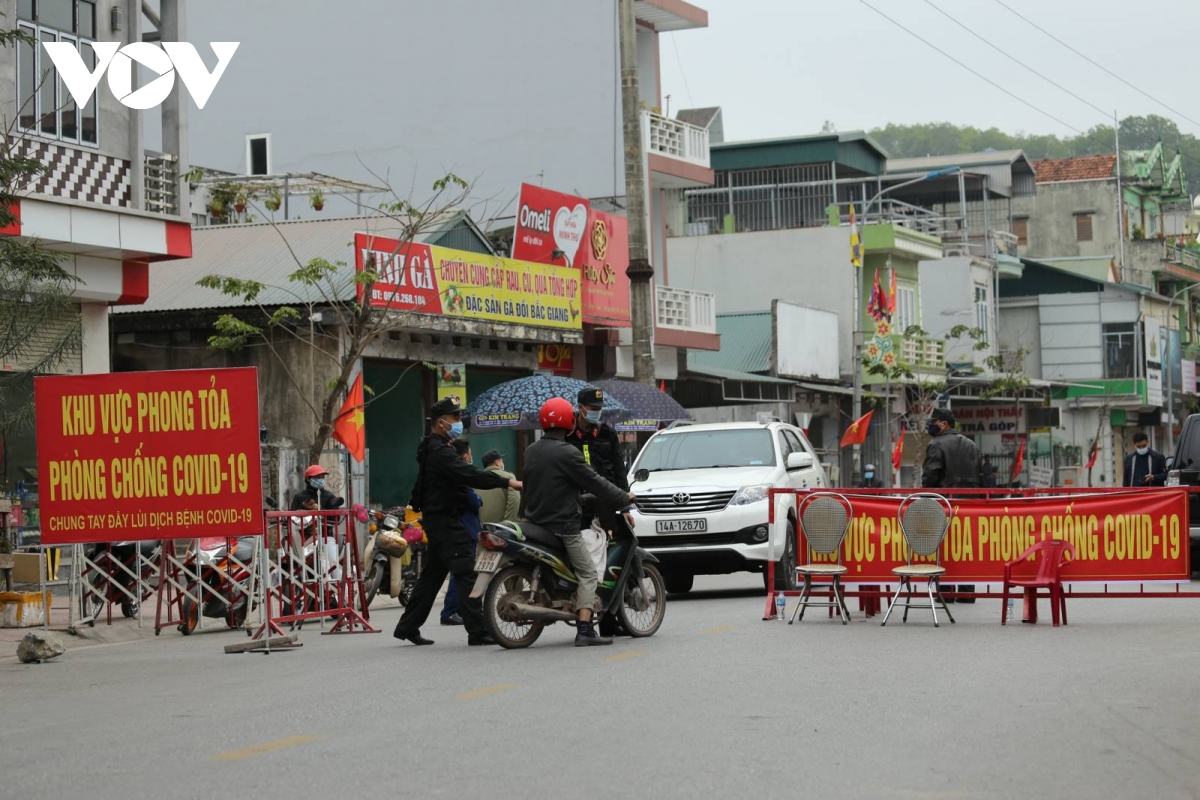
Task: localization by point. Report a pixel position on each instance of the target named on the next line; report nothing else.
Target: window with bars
(1020, 228)
(44, 106)
(1119, 349)
(981, 309)
(1083, 227)
(906, 309)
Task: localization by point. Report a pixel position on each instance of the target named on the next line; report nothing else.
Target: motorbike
(224, 574)
(382, 565)
(526, 582)
(113, 579)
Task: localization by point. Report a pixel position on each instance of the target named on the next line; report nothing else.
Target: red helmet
(315, 471)
(557, 413)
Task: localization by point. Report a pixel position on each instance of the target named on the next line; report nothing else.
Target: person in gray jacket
(952, 461)
(555, 476)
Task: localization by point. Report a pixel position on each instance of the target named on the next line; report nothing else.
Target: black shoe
(415, 638)
(480, 641)
(453, 619)
(592, 639)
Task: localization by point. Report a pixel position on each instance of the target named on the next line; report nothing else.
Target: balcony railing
(161, 183)
(1184, 257)
(683, 309)
(923, 353)
(675, 139)
(1005, 243)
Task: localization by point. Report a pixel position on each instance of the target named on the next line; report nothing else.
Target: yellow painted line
(268, 747)
(487, 690)
(719, 629)
(623, 656)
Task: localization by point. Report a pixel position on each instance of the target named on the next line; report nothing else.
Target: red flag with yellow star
(348, 428)
(857, 432)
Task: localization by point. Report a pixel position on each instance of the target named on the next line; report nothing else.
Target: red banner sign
(557, 228)
(148, 455)
(1139, 536)
(556, 358)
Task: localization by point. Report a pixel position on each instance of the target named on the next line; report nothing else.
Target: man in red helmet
(314, 496)
(555, 475)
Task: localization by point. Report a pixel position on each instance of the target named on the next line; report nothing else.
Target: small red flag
(1018, 462)
(898, 450)
(662, 386)
(348, 428)
(1095, 452)
(857, 432)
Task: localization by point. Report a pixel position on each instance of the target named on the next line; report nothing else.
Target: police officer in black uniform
(601, 449)
(440, 494)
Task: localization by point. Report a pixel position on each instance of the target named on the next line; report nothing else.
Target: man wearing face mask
(1145, 467)
(441, 493)
(601, 448)
(870, 481)
(952, 461)
(314, 496)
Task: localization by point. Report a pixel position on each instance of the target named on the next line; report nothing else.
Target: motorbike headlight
(750, 494)
(391, 523)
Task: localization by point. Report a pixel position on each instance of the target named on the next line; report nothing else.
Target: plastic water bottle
(1010, 606)
(780, 602)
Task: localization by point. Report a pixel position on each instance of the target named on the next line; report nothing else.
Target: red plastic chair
(1049, 576)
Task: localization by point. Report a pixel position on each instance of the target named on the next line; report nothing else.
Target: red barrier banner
(1119, 537)
(148, 455)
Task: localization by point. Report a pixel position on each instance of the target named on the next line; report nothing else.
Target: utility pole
(641, 274)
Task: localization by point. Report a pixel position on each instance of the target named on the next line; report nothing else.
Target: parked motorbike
(526, 581)
(381, 563)
(113, 580)
(224, 574)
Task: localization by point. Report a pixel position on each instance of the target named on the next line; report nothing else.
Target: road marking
(623, 656)
(268, 747)
(719, 629)
(487, 690)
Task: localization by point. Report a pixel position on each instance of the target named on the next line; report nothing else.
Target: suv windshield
(703, 449)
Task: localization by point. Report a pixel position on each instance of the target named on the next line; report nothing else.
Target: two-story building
(108, 204)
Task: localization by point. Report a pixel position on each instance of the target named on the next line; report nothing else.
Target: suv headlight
(750, 494)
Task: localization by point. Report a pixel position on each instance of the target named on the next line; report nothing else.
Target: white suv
(702, 498)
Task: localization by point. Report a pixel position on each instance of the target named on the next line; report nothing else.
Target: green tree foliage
(1137, 133)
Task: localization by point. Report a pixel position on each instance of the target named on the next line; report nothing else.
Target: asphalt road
(718, 704)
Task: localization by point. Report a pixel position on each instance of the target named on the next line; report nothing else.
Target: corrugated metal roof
(745, 344)
(264, 252)
(732, 374)
(926, 163)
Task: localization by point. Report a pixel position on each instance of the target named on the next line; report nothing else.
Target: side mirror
(799, 461)
(1170, 461)
(641, 475)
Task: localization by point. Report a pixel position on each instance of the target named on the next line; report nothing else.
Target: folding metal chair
(825, 518)
(924, 519)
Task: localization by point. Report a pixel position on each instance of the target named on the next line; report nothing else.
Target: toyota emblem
(681, 498)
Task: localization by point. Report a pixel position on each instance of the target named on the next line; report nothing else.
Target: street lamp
(858, 381)
(1170, 370)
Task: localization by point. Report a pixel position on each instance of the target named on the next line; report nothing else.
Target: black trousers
(450, 551)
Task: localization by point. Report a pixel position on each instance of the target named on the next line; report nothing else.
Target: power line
(1098, 65)
(1015, 60)
(679, 63)
(969, 69)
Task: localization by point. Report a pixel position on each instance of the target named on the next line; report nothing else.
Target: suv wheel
(785, 567)
(678, 582)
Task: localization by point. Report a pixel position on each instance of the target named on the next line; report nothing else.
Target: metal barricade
(111, 573)
(315, 573)
(218, 573)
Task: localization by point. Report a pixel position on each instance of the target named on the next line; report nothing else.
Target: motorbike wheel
(374, 580)
(511, 584)
(130, 608)
(637, 623)
(190, 613)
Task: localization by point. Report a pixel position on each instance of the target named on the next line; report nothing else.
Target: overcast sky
(782, 67)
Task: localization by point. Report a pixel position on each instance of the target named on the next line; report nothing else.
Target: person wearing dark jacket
(440, 493)
(555, 475)
(1145, 467)
(314, 496)
(952, 461)
(470, 521)
(601, 449)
